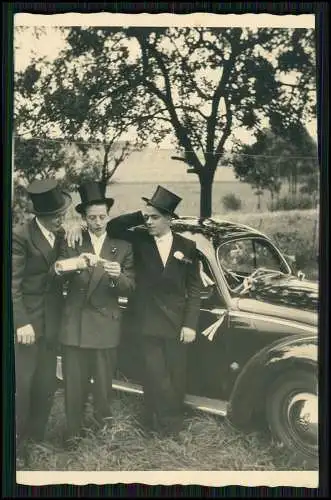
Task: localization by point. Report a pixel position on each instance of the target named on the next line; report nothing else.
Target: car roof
(212, 227)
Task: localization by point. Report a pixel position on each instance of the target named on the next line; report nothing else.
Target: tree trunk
(104, 171)
(289, 184)
(259, 201)
(206, 188)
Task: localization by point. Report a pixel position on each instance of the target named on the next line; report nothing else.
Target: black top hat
(48, 198)
(164, 200)
(93, 193)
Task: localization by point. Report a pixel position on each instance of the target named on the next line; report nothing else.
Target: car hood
(293, 297)
(258, 307)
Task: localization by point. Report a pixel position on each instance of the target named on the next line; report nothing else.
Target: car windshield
(240, 258)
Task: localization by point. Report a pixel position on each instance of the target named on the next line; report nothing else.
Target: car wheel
(292, 413)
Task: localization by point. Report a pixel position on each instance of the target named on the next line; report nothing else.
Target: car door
(243, 338)
(206, 356)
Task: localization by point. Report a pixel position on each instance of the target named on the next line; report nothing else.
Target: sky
(26, 46)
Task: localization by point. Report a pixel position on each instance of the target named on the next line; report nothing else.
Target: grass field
(128, 195)
(207, 443)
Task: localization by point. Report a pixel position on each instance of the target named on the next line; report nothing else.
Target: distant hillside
(150, 165)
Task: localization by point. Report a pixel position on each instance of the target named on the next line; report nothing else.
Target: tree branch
(198, 90)
(219, 92)
(296, 86)
(227, 130)
(150, 85)
(117, 161)
(191, 109)
(181, 133)
(212, 120)
(149, 117)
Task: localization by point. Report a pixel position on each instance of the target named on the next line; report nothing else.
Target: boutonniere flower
(181, 257)
(113, 250)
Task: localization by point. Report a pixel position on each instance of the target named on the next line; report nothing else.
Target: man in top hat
(37, 302)
(165, 305)
(90, 331)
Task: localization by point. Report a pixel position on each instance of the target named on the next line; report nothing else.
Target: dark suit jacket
(36, 296)
(92, 315)
(166, 298)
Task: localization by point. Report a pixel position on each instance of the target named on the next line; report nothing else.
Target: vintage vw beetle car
(255, 357)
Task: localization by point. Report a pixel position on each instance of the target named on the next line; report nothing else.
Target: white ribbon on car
(212, 329)
(206, 280)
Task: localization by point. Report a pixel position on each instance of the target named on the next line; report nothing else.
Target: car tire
(285, 413)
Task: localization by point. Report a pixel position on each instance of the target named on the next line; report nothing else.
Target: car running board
(208, 405)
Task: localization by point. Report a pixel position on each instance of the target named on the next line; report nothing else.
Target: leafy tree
(252, 166)
(70, 99)
(199, 84)
(301, 166)
(242, 87)
(35, 159)
(277, 156)
(101, 162)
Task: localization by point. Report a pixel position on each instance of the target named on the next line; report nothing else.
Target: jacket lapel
(108, 251)
(171, 262)
(41, 243)
(152, 255)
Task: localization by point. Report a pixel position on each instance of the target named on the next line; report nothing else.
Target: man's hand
(187, 335)
(73, 234)
(26, 335)
(113, 269)
(90, 258)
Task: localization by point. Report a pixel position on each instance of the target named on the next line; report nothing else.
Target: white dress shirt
(164, 244)
(50, 237)
(97, 242)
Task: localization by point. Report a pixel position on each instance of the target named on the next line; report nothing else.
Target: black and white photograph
(165, 248)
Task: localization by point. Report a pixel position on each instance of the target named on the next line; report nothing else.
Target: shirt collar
(164, 237)
(97, 238)
(44, 229)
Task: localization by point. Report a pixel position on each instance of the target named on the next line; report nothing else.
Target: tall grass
(206, 443)
(295, 232)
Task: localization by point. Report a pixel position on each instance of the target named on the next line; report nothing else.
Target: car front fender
(248, 395)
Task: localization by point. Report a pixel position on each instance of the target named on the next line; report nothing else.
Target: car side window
(240, 258)
(237, 256)
(266, 256)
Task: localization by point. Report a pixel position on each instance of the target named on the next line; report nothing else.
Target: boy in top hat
(90, 331)
(37, 302)
(166, 304)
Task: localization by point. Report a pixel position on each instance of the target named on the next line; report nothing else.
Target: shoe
(102, 424)
(170, 427)
(147, 421)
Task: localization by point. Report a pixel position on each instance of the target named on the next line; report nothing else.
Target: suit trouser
(35, 378)
(79, 366)
(164, 381)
